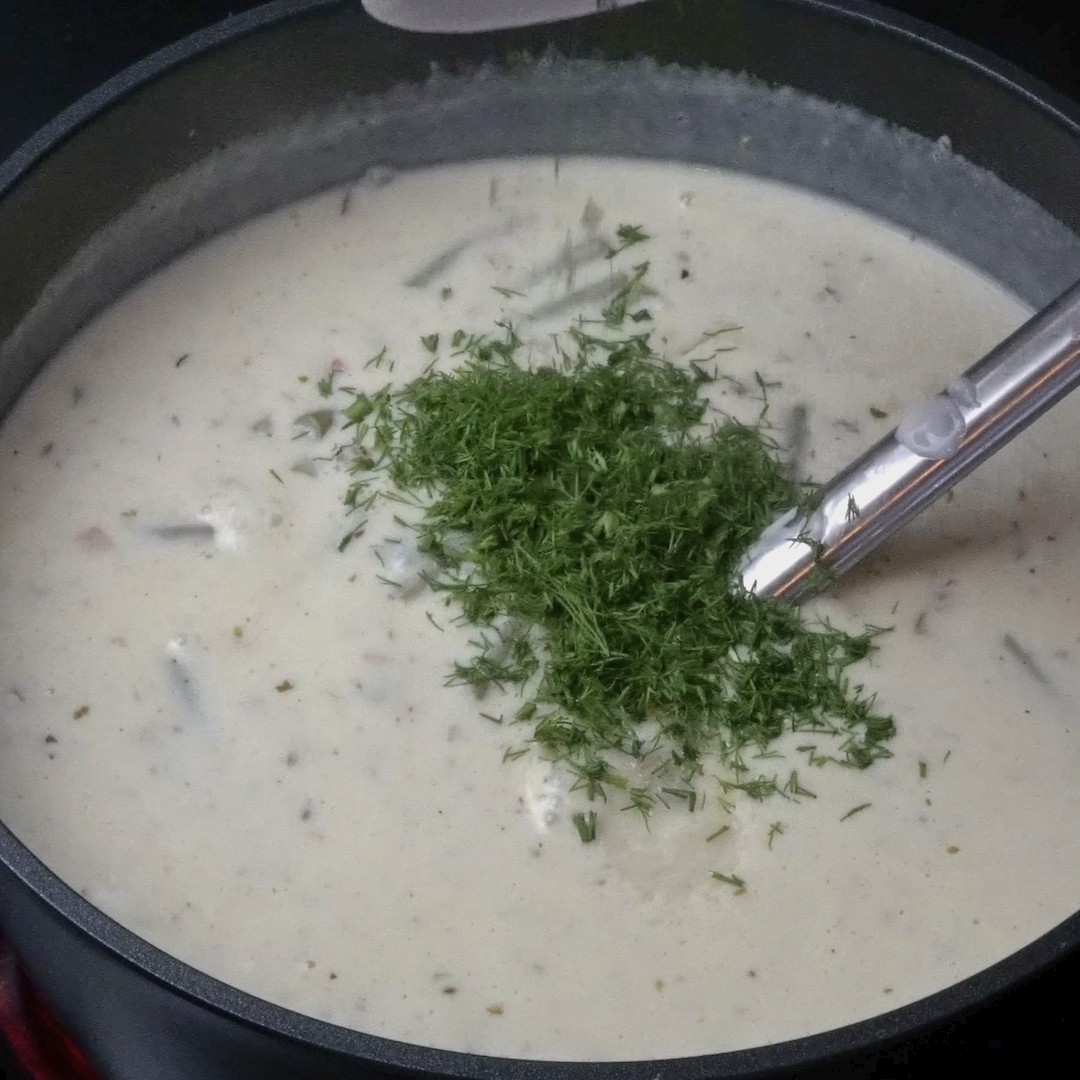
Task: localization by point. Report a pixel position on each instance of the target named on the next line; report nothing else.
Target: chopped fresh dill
(856, 810)
(430, 342)
(793, 789)
(688, 795)
(642, 800)
(627, 235)
(728, 879)
(765, 385)
(629, 290)
(775, 829)
(349, 537)
(588, 507)
(586, 826)
(718, 833)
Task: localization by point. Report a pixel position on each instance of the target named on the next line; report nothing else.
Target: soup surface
(237, 740)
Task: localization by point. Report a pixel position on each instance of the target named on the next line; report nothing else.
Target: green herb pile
(587, 517)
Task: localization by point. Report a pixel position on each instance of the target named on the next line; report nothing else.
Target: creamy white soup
(237, 740)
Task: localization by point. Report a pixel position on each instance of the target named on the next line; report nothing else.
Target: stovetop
(52, 51)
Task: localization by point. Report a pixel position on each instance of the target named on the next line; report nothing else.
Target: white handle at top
(474, 16)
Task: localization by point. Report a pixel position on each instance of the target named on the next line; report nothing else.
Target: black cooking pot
(183, 145)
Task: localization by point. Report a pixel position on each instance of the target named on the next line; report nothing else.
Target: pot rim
(862, 1036)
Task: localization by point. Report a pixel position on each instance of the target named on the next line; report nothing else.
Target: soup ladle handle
(938, 442)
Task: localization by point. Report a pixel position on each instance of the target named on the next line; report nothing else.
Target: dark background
(52, 51)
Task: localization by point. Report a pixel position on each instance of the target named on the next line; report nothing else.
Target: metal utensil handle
(935, 445)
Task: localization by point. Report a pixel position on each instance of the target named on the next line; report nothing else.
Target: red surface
(34, 1036)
